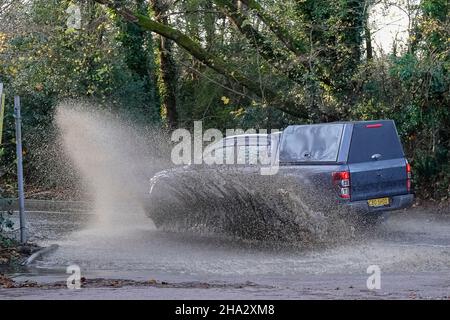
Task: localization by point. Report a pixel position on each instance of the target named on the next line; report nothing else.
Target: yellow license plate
(378, 202)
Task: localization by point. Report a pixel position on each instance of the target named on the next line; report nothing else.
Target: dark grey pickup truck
(363, 162)
(322, 171)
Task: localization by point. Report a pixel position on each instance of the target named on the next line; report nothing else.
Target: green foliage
(5, 225)
(112, 62)
(412, 89)
(48, 63)
(5, 222)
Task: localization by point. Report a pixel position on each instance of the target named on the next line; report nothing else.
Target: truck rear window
(373, 139)
(311, 143)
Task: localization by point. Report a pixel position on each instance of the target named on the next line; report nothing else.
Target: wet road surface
(412, 249)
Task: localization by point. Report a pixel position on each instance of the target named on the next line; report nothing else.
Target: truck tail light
(408, 176)
(341, 179)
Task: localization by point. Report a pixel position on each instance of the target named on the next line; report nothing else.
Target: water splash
(115, 159)
(239, 201)
(121, 162)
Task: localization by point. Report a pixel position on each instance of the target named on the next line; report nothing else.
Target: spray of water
(239, 201)
(115, 159)
(121, 162)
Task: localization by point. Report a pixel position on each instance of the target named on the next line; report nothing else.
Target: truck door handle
(376, 156)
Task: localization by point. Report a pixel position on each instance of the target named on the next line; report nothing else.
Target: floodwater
(401, 244)
(412, 249)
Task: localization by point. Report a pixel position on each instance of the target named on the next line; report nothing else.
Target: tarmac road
(412, 250)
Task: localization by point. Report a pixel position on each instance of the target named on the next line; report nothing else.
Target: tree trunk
(367, 34)
(167, 69)
(140, 59)
(369, 48)
(210, 28)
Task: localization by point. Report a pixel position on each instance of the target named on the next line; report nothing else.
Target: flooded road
(116, 161)
(412, 249)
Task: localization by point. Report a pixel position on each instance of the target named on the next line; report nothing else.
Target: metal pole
(2, 110)
(23, 230)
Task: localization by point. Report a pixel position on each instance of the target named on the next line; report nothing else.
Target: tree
(247, 63)
(140, 59)
(212, 61)
(167, 67)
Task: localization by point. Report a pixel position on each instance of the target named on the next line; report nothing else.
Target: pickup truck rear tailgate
(376, 161)
(378, 179)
